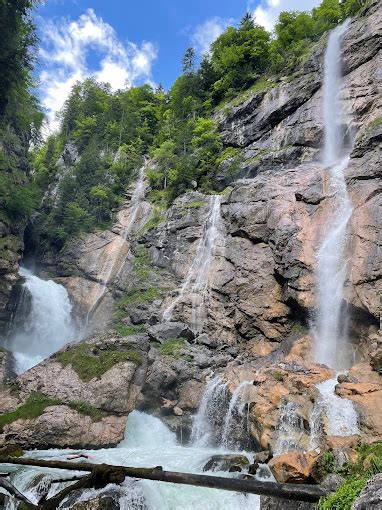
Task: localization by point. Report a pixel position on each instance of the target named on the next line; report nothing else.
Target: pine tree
(188, 61)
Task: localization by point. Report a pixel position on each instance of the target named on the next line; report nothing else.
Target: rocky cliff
(255, 313)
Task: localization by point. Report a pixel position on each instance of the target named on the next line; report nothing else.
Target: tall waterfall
(197, 279)
(47, 327)
(330, 335)
(112, 266)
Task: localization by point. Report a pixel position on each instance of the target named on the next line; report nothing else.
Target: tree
(188, 61)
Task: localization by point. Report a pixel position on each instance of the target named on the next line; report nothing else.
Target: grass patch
(345, 495)
(279, 376)
(88, 366)
(374, 123)
(368, 464)
(172, 347)
(228, 153)
(298, 328)
(156, 218)
(33, 407)
(261, 85)
(138, 296)
(194, 205)
(124, 330)
(141, 263)
(88, 410)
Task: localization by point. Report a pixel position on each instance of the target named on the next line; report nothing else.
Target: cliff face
(255, 313)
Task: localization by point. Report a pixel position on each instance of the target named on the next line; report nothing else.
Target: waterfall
(48, 325)
(236, 408)
(330, 337)
(290, 429)
(111, 266)
(197, 279)
(212, 403)
(340, 413)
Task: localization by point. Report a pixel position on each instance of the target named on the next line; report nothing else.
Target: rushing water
(197, 279)
(48, 325)
(148, 442)
(290, 429)
(236, 412)
(342, 418)
(330, 334)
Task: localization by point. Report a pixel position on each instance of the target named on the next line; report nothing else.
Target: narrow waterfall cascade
(148, 442)
(236, 412)
(342, 418)
(290, 429)
(213, 401)
(330, 334)
(112, 265)
(48, 325)
(197, 280)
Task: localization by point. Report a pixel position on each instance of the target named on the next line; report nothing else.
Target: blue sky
(127, 42)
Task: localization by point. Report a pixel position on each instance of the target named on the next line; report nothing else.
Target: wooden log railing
(99, 475)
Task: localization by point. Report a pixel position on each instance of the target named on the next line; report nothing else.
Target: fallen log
(295, 492)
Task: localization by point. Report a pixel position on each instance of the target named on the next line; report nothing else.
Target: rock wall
(260, 295)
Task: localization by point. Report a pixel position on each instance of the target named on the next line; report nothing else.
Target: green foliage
(172, 347)
(138, 296)
(369, 463)
(195, 204)
(352, 7)
(345, 495)
(88, 410)
(33, 407)
(327, 462)
(128, 330)
(89, 365)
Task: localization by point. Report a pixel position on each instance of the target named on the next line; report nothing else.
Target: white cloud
(267, 12)
(65, 50)
(207, 32)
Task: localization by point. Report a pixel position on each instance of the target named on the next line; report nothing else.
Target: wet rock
(262, 457)
(190, 395)
(225, 462)
(252, 469)
(371, 496)
(169, 330)
(293, 467)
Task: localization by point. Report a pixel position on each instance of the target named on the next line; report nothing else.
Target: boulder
(293, 467)
(371, 496)
(224, 462)
(169, 330)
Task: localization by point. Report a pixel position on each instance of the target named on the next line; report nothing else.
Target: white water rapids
(47, 327)
(148, 442)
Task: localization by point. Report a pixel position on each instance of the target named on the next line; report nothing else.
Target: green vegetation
(128, 330)
(142, 266)
(138, 296)
(369, 463)
(374, 123)
(172, 347)
(195, 204)
(89, 365)
(33, 407)
(88, 410)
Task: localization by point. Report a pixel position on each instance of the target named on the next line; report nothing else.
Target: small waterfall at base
(236, 409)
(290, 429)
(197, 280)
(148, 442)
(213, 401)
(47, 327)
(340, 413)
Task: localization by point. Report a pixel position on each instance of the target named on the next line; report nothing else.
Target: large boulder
(293, 467)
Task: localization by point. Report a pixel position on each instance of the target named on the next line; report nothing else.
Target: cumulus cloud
(267, 12)
(64, 54)
(207, 32)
